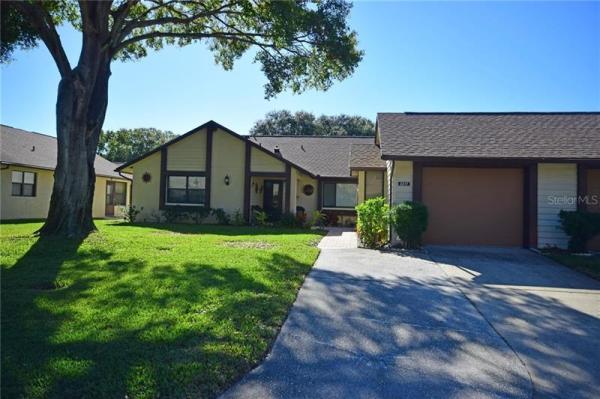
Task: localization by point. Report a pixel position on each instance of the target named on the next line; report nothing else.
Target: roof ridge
(496, 113)
(28, 131)
(309, 136)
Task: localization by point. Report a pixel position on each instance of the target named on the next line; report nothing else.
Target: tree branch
(42, 22)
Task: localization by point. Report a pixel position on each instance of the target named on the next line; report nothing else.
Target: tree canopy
(301, 123)
(299, 44)
(123, 145)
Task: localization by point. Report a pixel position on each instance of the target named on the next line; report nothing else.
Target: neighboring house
(27, 162)
(487, 179)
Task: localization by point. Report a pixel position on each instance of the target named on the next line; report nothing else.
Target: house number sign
(403, 183)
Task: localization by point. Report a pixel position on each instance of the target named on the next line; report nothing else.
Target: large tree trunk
(80, 111)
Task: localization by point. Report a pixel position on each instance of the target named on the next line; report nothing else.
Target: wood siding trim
(163, 178)
(582, 188)
(417, 182)
(269, 174)
(288, 188)
(530, 200)
(208, 168)
(247, 179)
(319, 198)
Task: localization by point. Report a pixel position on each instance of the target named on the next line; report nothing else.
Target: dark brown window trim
(33, 189)
(186, 175)
(288, 189)
(335, 181)
(270, 174)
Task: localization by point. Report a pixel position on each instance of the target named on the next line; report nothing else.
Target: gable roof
(366, 156)
(548, 136)
(326, 156)
(36, 150)
(214, 125)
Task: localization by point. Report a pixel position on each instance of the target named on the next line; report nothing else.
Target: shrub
(221, 215)
(238, 218)
(261, 218)
(288, 219)
(580, 226)
(409, 220)
(372, 222)
(317, 219)
(200, 214)
(131, 213)
(174, 214)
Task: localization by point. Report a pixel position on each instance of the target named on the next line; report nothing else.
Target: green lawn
(144, 311)
(589, 265)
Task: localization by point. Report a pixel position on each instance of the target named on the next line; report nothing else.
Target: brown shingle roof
(20, 147)
(327, 156)
(490, 135)
(365, 156)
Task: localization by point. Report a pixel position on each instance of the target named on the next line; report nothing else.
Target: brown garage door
(474, 206)
(593, 185)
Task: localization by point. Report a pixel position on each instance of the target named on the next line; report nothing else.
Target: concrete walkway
(369, 324)
(339, 238)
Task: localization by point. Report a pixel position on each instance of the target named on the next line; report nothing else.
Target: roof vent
(32, 148)
(277, 150)
(302, 147)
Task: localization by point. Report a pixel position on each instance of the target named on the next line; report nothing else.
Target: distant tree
(126, 144)
(298, 45)
(285, 123)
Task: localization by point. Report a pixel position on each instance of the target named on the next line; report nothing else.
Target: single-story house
(486, 178)
(27, 162)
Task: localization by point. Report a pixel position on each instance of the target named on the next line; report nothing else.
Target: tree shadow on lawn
(225, 230)
(111, 328)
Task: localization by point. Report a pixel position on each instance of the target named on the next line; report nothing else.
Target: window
(120, 193)
(23, 184)
(339, 195)
(185, 190)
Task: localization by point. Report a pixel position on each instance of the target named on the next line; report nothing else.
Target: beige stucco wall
(374, 186)
(26, 207)
(308, 202)
(263, 162)
(227, 159)
(146, 194)
(188, 154)
(37, 207)
(403, 172)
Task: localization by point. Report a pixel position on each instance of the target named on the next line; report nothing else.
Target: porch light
(227, 180)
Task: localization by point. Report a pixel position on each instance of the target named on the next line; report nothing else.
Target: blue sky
(469, 56)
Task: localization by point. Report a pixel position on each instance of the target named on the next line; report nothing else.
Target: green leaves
(302, 123)
(126, 144)
(299, 45)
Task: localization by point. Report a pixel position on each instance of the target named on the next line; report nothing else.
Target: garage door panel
(593, 184)
(474, 206)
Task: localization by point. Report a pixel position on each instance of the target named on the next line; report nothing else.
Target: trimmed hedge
(409, 220)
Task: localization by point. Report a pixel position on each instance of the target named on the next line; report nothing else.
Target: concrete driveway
(548, 313)
(368, 324)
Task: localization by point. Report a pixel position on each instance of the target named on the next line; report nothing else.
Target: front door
(272, 198)
(110, 194)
